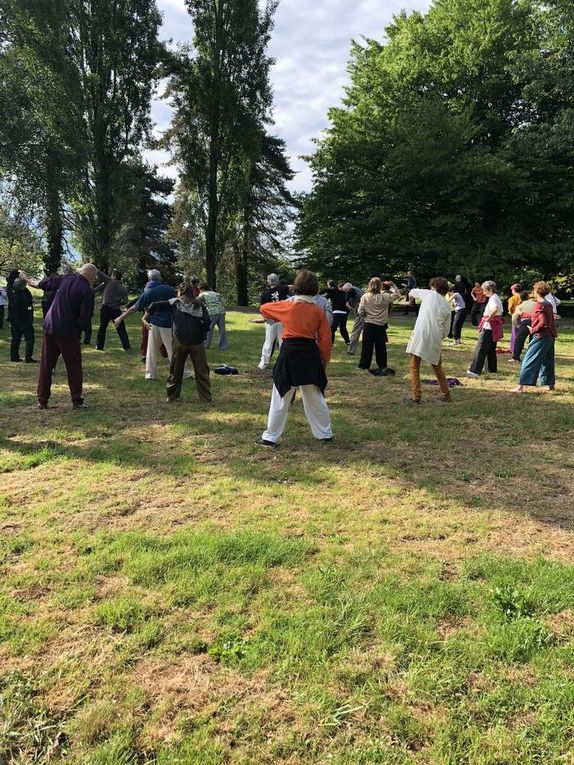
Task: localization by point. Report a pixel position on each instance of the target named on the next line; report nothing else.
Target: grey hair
(88, 269)
(273, 280)
(489, 285)
(154, 275)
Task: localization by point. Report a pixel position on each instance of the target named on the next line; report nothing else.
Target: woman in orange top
(305, 352)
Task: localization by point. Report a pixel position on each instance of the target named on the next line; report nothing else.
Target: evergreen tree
(222, 97)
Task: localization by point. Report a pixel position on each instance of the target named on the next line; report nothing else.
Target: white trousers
(273, 333)
(316, 412)
(157, 336)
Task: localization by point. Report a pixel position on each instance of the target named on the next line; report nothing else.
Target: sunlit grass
(171, 594)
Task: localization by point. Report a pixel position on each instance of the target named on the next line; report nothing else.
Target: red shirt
(543, 320)
(302, 319)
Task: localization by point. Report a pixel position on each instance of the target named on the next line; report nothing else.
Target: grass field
(172, 593)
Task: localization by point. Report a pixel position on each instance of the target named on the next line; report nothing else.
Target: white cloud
(311, 45)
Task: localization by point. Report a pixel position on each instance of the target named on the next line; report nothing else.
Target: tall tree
(430, 160)
(268, 208)
(41, 132)
(143, 241)
(116, 51)
(222, 97)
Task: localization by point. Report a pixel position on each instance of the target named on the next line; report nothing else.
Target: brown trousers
(416, 391)
(199, 360)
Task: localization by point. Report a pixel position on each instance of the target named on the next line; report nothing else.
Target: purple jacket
(73, 305)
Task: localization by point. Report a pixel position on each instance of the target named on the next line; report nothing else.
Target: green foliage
(441, 157)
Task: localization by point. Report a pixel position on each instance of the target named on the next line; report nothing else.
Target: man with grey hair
(160, 321)
(69, 314)
(275, 292)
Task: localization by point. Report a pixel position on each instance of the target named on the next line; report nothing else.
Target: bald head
(89, 272)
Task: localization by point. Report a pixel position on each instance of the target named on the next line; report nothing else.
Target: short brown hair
(306, 283)
(541, 288)
(440, 284)
(375, 285)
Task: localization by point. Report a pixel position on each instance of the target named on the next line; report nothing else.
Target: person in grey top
(354, 295)
(115, 296)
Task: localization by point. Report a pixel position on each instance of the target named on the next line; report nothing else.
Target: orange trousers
(416, 391)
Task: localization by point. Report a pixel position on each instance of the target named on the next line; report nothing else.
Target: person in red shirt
(305, 352)
(538, 363)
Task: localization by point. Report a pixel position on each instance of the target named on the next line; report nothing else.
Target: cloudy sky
(310, 45)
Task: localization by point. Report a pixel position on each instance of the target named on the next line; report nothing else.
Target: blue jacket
(154, 293)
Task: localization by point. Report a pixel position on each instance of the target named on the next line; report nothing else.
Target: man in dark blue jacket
(155, 291)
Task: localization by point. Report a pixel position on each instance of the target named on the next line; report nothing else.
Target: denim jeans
(538, 362)
(219, 320)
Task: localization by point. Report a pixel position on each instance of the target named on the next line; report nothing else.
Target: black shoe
(83, 405)
(31, 361)
(42, 405)
(15, 361)
(326, 440)
(266, 444)
(376, 372)
(390, 372)
(97, 349)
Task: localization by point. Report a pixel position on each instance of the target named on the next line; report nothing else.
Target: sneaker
(326, 440)
(261, 365)
(31, 361)
(472, 374)
(376, 372)
(513, 361)
(15, 361)
(265, 443)
(83, 405)
(42, 405)
(390, 372)
(350, 353)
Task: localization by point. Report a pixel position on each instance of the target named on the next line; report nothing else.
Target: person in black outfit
(22, 321)
(338, 299)
(10, 279)
(115, 296)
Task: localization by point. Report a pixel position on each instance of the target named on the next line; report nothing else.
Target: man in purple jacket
(70, 313)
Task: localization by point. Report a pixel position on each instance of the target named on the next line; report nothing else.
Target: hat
(19, 285)
(273, 280)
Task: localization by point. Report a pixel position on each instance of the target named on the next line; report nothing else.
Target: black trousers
(485, 351)
(374, 337)
(340, 323)
(107, 314)
(20, 330)
(1, 317)
(522, 334)
(477, 312)
(459, 319)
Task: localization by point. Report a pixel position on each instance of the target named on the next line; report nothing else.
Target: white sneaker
(261, 365)
(472, 374)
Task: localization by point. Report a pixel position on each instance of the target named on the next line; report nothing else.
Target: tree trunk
(241, 270)
(53, 222)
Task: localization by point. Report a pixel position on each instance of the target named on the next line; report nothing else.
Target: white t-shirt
(458, 301)
(554, 302)
(432, 325)
(493, 308)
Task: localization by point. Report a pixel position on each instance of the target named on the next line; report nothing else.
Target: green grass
(169, 593)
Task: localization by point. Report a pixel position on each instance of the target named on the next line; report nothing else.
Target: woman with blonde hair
(374, 309)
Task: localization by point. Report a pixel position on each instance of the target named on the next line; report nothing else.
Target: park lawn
(172, 593)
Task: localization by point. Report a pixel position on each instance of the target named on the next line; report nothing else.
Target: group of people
(300, 319)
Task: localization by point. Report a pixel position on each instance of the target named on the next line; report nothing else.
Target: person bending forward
(305, 351)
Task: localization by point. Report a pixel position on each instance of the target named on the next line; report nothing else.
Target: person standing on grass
(10, 279)
(458, 316)
(354, 295)
(275, 293)
(431, 328)
(114, 297)
(22, 321)
(304, 354)
(216, 310)
(521, 320)
(3, 302)
(374, 309)
(538, 363)
(479, 304)
(160, 322)
(490, 329)
(411, 285)
(70, 313)
(339, 308)
(190, 324)
(513, 302)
